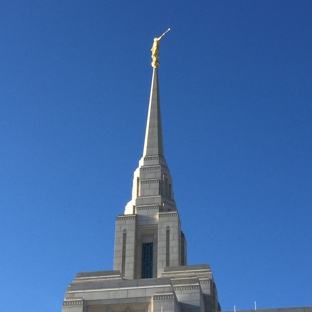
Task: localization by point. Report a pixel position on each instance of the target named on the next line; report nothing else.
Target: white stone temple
(150, 258)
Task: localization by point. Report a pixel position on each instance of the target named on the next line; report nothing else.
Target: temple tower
(150, 269)
(148, 235)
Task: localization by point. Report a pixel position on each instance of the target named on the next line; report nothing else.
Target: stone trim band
(70, 303)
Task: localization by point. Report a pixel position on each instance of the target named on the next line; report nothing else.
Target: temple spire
(153, 144)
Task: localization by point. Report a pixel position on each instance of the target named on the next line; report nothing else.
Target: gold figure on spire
(155, 48)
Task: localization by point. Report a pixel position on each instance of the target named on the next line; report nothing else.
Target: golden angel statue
(155, 48)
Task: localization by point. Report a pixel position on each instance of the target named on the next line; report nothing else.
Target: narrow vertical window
(123, 256)
(168, 246)
(169, 190)
(165, 186)
(147, 260)
(183, 249)
(138, 186)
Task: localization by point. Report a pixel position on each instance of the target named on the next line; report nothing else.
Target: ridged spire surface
(153, 144)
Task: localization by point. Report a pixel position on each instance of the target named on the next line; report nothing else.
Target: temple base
(180, 289)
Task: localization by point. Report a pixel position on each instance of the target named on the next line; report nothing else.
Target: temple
(150, 255)
(150, 271)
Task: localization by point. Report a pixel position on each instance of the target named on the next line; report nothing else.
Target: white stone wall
(124, 252)
(186, 289)
(165, 302)
(170, 221)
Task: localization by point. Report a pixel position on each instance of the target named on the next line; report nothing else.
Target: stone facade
(150, 257)
(151, 216)
(182, 288)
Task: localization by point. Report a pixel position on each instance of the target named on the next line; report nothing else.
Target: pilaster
(125, 245)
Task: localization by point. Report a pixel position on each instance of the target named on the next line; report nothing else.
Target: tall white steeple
(150, 180)
(153, 144)
(148, 235)
(150, 270)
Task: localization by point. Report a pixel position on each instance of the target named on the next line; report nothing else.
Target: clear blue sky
(235, 84)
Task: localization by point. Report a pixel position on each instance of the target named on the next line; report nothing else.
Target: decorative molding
(151, 158)
(163, 297)
(149, 168)
(186, 287)
(147, 207)
(125, 218)
(71, 303)
(162, 215)
(205, 282)
(149, 181)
